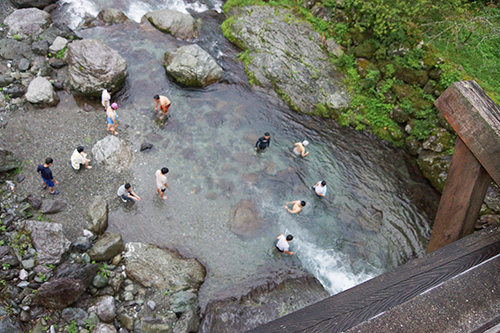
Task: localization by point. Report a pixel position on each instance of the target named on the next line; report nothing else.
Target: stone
(245, 220)
(154, 267)
(28, 264)
(98, 215)
(23, 274)
(104, 328)
(126, 321)
(57, 63)
(151, 305)
(27, 23)
(100, 281)
(434, 167)
(79, 316)
(32, 3)
(107, 246)
(192, 66)
(440, 140)
(5, 80)
(179, 25)
(49, 241)
(113, 153)
(8, 161)
(8, 324)
(146, 146)
(188, 322)
(411, 76)
(40, 47)
(11, 49)
(24, 65)
(183, 301)
(295, 66)
(59, 44)
(105, 308)
(82, 244)
(41, 92)
(112, 16)
(60, 293)
(15, 91)
(93, 66)
(52, 206)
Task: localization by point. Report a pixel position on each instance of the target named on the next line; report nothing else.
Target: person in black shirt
(46, 174)
(263, 142)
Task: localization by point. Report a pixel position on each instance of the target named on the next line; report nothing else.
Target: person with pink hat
(112, 118)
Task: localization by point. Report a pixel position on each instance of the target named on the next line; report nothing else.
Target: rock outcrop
(192, 66)
(94, 66)
(27, 23)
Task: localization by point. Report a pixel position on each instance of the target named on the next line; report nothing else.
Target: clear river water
(374, 217)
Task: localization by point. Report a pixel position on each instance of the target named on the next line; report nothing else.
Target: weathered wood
(461, 200)
(353, 306)
(476, 119)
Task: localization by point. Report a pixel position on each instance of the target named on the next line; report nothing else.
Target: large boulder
(51, 206)
(48, 240)
(177, 24)
(104, 328)
(154, 267)
(113, 152)
(434, 167)
(98, 215)
(245, 219)
(8, 161)
(32, 3)
(112, 16)
(59, 293)
(192, 66)
(11, 49)
(94, 66)
(296, 66)
(105, 308)
(106, 247)
(41, 92)
(27, 23)
(263, 304)
(83, 272)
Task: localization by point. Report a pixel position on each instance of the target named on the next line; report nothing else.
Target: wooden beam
(476, 119)
(461, 200)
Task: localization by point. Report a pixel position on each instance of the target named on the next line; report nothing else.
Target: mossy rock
(412, 145)
(365, 50)
(439, 141)
(434, 167)
(430, 60)
(365, 65)
(412, 76)
(398, 115)
(430, 86)
(405, 91)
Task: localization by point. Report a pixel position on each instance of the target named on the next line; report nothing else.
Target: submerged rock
(245, 220)
(177, 24)
(192, 66)
(94, 66)
(41, 92)
(27, 23)
(285, 54)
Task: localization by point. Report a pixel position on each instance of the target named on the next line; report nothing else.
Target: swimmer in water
(300, 148)
(297, 206)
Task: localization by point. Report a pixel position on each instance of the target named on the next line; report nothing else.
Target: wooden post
(476, 119)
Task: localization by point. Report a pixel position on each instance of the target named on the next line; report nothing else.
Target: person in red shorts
(164, 103)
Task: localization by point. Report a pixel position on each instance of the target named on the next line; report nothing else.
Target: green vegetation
(71, 328)
(60, 53)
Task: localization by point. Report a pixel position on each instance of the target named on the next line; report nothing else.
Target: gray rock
(192, 66)
(60, 293)
(11, 49)
(177, 24)
(41, 92)
(23, 284)
(245, 220)
(98, 215)
(188, 322)
(79, 316)
(183, 301)
(93, 66)
(8, 324)
(5, 80)
(295, 65)
(151, 305)
(49, 241)
(104, 328)
(40, 47)
(126, 321)
(113, 152)
(23, 274)
(52, 206)
(24, 316)
(112, 16)
(82, 244)
(24, 65)
(105, 308)
(15, 91)
(32, 3)
(146, 146)
(27, 23)
(107, 246)
(28, 264)
(57, 63)
(58, 44)
(8, 161)
(100, 281)
(128, 296)
(155, 267)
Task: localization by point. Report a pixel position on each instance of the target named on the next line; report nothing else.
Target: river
(375, 215)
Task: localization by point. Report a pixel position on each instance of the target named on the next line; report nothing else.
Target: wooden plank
(476, 119)
(461, 200)
(353, 306)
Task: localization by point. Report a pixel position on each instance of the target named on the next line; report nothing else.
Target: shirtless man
(164, 103)
(297, 206)
(112, 118)
(300, 149)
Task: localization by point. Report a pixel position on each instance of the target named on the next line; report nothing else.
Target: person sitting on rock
(282, 244)
(297, 206)
(79, 158)
(125, 192)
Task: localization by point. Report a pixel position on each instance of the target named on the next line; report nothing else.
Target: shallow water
(370, 221)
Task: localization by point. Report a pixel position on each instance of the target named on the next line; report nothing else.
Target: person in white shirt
(79, 158)
(105, 99)
(320, 188)
(161, 182)
(282, 244)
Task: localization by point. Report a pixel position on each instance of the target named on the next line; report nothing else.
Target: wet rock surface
(180, 25)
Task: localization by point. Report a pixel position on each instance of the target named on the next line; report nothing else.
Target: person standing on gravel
(105, 99)
(112, 118)
(47, 178)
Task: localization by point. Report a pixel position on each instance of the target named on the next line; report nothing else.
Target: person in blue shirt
(47, 178)
(263, 142)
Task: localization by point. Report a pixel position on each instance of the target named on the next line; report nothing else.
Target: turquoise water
(370, 221)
